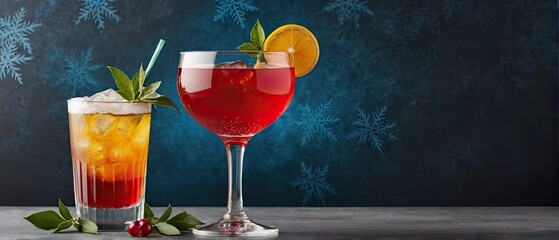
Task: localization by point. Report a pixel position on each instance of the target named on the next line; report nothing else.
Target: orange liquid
(109, 155)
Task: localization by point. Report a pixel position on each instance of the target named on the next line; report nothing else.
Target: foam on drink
(108, 101)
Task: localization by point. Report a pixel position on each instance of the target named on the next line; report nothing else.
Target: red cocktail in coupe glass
(235, 95)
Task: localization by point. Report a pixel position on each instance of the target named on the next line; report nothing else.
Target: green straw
(155, 55)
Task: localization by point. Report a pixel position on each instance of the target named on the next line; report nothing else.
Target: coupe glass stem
(235, 153)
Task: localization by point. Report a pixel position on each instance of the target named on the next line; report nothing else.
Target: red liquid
(96, 192)
(234, 103)
(117, 194)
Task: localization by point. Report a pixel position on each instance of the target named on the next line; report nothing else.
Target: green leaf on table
(87, 226)
(184, 221)
(64, 225)
(166, 214)
(148, 213)
(45, 220)
(76, 225)
(167, 229)
(64, 210)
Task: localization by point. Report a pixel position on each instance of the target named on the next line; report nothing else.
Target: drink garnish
(292, 38)
(165, 224)
(298, 41)
(257, 37)
(48, 220)
(134, 90)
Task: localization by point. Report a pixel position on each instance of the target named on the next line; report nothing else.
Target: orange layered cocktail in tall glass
(109, 144)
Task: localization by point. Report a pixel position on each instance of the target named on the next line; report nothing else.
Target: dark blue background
(412, 102)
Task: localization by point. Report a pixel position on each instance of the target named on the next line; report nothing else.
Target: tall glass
(109, 144)
(235, 95)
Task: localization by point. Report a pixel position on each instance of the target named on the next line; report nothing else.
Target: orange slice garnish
(298, 41)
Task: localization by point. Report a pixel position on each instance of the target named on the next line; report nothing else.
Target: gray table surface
(345, 223)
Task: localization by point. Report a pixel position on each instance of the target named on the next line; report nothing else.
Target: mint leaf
(257, 35)
(166, 214)
(161, 101)
(150, 89)
(134, 90)
(87, 226)
(248, 46)
(167, 229)
(45, 220)
(76, 224)
(64, 210)
(148, 213)
(257, 38)
(123, 82)
(125, 94)
(142, 78)
(63, 225)
(138, 80)
(184, 221)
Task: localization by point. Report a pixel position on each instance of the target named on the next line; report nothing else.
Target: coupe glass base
(234, 227)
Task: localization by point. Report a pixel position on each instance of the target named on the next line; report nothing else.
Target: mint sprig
(257, 37)
(48, 220)
(168, 225)
(134, 90)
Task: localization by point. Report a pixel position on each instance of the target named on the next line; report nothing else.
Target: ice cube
(233, 64)
(101, 124)
(109, 95)
(122, 152)
(127, 124)
(140, 136)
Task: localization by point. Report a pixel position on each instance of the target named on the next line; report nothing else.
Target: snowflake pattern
(14, 32)
(97, 10)
(348, 10)
(373, 128)
(79, 72)
(313, 183)
(316, 124)
(233, 9)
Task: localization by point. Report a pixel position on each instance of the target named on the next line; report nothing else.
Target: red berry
(134, 229)
(145, 227)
